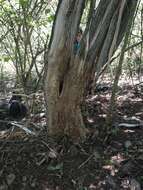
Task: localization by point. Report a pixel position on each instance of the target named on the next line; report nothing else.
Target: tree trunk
(112, 108)
(68, 74)
(64, 103)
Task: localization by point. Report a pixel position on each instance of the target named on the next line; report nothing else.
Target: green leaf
(2, 1)
(23, 3)
(6, 59)
(57, 167)
(51, 18)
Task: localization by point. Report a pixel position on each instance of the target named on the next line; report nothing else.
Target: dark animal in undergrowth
(15, 98)
(17, 109)
(14, 109)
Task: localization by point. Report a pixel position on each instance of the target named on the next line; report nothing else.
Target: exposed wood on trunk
(67, 73)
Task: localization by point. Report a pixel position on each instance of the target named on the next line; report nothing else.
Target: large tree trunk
(64, 103)
(68, 74)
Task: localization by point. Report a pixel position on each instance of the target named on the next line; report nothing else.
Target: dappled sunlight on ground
(38, 162)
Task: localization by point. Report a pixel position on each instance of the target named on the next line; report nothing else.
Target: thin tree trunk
(112, 108)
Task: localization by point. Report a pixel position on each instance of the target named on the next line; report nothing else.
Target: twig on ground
(81, 165)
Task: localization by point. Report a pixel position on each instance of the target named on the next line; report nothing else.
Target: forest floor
(36, 162)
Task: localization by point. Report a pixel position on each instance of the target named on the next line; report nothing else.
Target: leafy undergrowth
(40, 163)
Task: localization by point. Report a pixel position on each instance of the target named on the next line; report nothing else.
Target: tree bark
(112, 108)
(64, 103)
(68, 74)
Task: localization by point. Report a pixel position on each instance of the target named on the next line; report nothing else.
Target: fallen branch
(128, 125)
(24, 128)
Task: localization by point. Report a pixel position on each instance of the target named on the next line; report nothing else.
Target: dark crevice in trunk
(61, 87)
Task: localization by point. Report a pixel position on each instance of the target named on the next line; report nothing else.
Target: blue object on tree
(76, 47)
